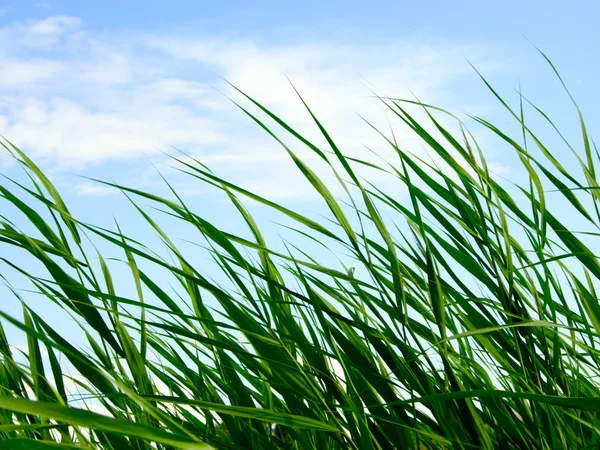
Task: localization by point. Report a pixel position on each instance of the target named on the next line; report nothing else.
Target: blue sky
(124, 68)
(103, 88)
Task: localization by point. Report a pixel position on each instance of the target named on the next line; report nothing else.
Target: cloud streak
(75, 99)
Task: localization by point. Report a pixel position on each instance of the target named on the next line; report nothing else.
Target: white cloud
(74, 99)
(54, 26)
(28, 72)
(73, 135)
(39, 34)
(88, 189)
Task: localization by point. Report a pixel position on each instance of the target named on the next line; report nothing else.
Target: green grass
(462, 314)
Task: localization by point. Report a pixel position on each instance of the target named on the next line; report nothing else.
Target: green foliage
(469, 318)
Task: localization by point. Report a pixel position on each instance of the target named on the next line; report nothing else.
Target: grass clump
(464, 315)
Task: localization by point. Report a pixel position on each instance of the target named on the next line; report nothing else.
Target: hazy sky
(96, 88)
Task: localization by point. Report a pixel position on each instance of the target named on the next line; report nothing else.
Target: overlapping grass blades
(469, 318)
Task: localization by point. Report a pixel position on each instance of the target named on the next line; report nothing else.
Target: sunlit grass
(465, 315)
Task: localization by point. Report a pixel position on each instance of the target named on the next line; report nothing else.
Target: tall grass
(462, 315)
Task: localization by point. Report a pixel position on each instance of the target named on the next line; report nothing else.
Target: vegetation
(462, 312)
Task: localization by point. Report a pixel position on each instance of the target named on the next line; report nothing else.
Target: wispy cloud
(39, 34)
(73, 98)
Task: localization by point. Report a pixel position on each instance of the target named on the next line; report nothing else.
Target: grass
(463, 316)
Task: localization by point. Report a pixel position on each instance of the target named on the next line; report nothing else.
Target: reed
(461, 315)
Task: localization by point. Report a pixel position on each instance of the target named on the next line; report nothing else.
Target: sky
(105, 89)
(98, 88)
